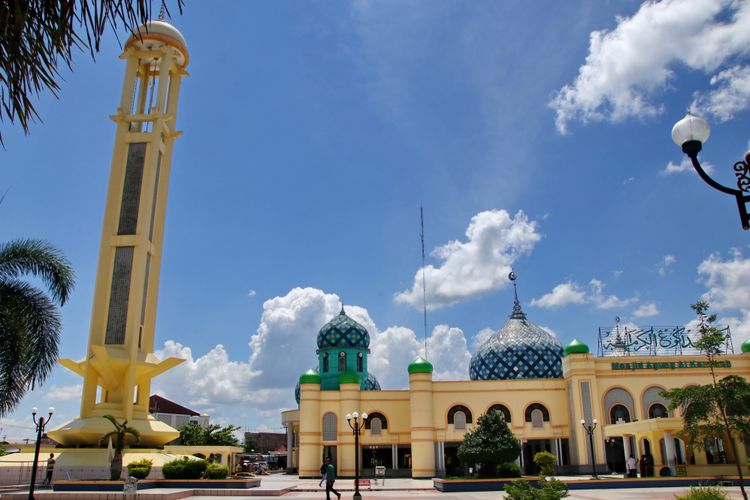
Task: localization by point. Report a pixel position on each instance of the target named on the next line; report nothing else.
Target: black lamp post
(690, 133)
(40, 425)
(356, 426)
(590, 431)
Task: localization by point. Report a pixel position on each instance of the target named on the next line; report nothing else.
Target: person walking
(50, 470)
(330, 479)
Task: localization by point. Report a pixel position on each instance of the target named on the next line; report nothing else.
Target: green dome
(310, 377)
(349, 378)
(746, 346)
(576, 347)
(343, 331)
(420, 365)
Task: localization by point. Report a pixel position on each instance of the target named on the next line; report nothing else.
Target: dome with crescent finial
(519, 350)
(343, 331)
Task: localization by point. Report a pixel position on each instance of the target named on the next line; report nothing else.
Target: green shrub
(548, 489)
(546, 461)
(184, 468)
(140, 468)
(704, 493)
(508, 470)
(216, 471)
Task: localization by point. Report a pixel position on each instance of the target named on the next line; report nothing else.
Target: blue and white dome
(343, 331)
(519, 350)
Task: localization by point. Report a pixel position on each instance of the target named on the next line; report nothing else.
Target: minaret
(120, 362)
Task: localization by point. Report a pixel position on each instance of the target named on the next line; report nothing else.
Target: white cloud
(728, 283)
(626, 66)
(663, 266)
(563, 294)
(251, 293)
(481, 337)
(602, 301)
(571, 292)
(549, 330)
(64, 392)
(646, 310)
(685, 165)
(731, 95)
(495, 240)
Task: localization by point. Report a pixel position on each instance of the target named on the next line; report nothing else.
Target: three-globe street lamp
(356, 426)
(40, 425)
(590, 431)
(690, 133)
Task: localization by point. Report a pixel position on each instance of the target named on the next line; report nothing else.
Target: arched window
(380, 417)
(537, 418)
(502, 410)
(657, 410)
(459, 420)
(325, 362)
(342, 361)
(536, 406)
(330, 427)
(459, 408)
(360, 362)
(617, 413)
(375, 426)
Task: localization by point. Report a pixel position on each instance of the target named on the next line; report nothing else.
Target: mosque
(545, 393)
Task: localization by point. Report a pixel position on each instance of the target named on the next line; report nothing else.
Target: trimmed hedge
(184, 468)
(140, 468)
(216, 471)
(508, 470)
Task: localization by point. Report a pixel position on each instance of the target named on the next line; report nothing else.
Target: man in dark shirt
(330, 478)
(50, 470)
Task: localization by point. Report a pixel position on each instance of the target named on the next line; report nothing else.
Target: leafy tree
(37, 35)
(29, 320)
(491, 443)
(193, 434)
(119, 438)
(715, 410)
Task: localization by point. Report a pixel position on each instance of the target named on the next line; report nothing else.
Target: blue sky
(535, 136)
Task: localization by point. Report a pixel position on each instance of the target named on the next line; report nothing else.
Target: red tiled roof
(158, 404)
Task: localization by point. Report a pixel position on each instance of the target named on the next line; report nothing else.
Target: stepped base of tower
(89, 431)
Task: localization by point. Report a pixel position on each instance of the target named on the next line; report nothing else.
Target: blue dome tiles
(343, 331)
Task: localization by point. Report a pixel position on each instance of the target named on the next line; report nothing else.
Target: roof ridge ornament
(342, 312)
(517, 312)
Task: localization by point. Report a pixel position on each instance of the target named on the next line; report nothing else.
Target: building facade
(542, 390)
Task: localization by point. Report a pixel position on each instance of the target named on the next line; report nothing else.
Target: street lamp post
(356, 426)
(690, 133)
(40, 424)
(589, 428)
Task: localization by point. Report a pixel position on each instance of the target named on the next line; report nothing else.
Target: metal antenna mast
(424, 280)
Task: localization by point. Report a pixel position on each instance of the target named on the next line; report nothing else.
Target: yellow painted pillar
(349, 402)
(119, 363)
(310, 425)
(422, 419)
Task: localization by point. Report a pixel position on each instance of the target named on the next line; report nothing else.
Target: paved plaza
(308, 489)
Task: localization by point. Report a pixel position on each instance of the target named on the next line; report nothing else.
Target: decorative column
(670, 451)
(310, 425)
(422, 424)
(120, 362)
(349, 383)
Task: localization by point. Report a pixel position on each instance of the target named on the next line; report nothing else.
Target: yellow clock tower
(120, 362)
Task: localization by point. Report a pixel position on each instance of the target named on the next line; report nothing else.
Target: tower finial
(342, 313)
(162, 12)
(517, 312)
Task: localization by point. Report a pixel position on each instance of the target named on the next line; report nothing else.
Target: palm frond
(36, 36)
(38, 258)
(29, 339)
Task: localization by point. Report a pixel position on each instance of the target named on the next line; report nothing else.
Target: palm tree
(120, 435)
(29, 319)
